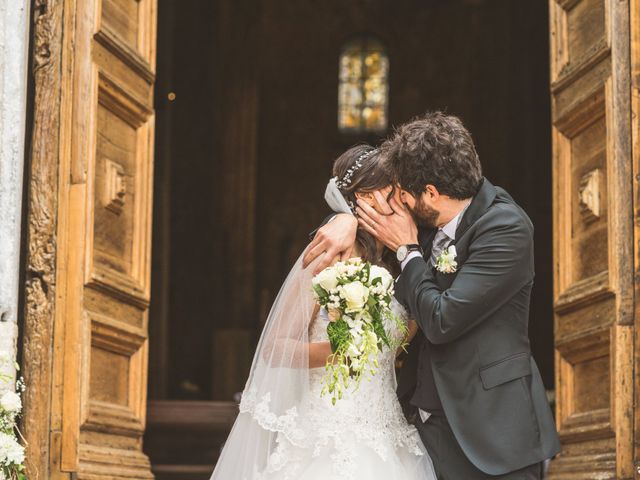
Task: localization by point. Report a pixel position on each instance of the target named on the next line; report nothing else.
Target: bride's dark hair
(372, 175)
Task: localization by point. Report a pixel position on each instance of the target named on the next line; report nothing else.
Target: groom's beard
(423, 215)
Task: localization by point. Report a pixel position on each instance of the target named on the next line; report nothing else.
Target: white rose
(327, 279)
(10, 402)
(383, 274)
(356, 295)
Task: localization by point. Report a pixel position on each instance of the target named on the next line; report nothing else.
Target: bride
(285, 429)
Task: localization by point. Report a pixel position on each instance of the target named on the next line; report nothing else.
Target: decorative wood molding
(584, 113)
(594, 464)
(114, 44)
(567, 5)
(589, 194)
(118, 100)
(584, 293)
(571, 72)
(112, 462)
(587, 427)
(115, 186)
(112, 419)
(579, 426)
(115, 335)
(586, 344)
(132, 288)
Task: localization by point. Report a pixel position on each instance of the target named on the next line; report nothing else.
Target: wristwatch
(403, 251)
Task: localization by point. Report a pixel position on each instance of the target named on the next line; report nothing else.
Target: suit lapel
(478, 206)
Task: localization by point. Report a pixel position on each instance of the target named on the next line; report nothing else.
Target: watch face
(402, 252)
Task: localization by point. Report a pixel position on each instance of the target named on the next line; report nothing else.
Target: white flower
(353, 351)
(351, 270)
(340, 267)
(446, 262)
(356, 295)
(327, 279)
(10, 402)
(11, 452)
(383, 274)
(353, 322)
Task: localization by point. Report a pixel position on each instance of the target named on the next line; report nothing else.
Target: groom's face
(422, 209)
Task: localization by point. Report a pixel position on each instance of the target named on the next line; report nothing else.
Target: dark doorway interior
(246, 132)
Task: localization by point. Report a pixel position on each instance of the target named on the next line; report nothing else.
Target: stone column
(14, 54)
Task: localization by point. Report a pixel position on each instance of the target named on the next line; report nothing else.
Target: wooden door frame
(634, 56)
(40, 425)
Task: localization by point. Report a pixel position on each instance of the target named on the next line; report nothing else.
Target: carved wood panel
(592, 237)
(107, 216)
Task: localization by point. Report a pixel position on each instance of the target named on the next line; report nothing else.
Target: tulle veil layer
(278, 381)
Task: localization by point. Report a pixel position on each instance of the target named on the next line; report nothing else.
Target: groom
(466, 253)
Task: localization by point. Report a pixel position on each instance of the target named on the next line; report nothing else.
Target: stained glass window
(363, 89)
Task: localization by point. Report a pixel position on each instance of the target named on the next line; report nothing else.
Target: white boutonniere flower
(446, 262)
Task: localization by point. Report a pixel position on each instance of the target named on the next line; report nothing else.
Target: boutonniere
(446, 261)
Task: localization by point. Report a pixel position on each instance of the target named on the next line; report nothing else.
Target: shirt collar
(450, 228)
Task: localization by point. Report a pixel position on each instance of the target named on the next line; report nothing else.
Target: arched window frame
(363, 86)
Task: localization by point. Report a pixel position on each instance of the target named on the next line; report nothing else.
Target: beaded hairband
(346, 180)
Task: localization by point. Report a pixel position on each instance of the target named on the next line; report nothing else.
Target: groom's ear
(432, 191)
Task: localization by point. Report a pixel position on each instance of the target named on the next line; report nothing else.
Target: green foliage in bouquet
(357, 296)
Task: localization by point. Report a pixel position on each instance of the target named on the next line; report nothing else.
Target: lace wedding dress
(364, 435)
(287, 431)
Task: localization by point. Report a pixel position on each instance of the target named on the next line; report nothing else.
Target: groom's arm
(497, 267)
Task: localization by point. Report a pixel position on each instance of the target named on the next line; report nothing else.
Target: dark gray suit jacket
(476, 326)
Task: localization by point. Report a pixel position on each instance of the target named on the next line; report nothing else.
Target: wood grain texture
(86, 328)
(40, 287)
(594, 283)
(634, 54)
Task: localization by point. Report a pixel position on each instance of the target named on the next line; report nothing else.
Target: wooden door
(593, 238)
(104, 240)
(635, 127)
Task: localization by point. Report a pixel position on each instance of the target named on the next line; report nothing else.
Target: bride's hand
(335, 239)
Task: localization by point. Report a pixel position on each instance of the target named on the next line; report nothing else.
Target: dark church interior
(248, 124)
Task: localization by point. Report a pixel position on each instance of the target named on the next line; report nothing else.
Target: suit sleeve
(497, 267)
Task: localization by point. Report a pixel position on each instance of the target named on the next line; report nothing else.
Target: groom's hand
(394, 228)
(335, 239)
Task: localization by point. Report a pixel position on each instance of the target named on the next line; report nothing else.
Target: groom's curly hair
(435, 149)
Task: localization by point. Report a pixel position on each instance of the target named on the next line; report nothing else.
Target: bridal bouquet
(11, 451)
(357, 296)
